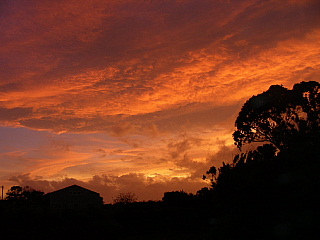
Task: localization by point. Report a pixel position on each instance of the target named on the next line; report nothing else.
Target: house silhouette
(75, 197)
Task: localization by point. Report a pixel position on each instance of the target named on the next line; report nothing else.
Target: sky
(139, 95)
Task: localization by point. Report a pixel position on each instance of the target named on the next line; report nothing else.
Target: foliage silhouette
(177, 197)
(264, 193)
(125, 198)
(23, 194)
(281, 117)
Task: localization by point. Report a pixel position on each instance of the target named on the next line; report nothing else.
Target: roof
(73, 187)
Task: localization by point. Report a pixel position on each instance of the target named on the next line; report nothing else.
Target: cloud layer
(141, 86)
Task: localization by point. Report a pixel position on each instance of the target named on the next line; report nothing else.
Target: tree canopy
(279, 177)
(281, 117)
(23, 194)
(287, 122)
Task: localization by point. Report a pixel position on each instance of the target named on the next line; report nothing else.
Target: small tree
(23, 194)
(125, 198)
(14, 193)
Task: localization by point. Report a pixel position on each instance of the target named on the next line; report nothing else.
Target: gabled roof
(73, 187)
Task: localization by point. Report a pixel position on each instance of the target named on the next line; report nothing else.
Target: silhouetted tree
(14, 193)
(281, 117)
(31, 195)
(212, 172)
(125, 198)
(287, 119)
(278, 178)
(265, 152)
(23, 194)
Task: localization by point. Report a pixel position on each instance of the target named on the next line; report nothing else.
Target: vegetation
(125, 198)
(285, 118)
(23, 195)
(270, 192)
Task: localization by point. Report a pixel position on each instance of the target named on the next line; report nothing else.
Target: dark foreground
(158, 220)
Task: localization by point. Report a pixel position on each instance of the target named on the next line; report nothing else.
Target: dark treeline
(269, 192)
(181, 219)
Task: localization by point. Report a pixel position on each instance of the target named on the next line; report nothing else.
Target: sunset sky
(139, 95)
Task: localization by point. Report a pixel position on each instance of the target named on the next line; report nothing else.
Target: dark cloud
(122, 129)
(263, 24)
(14, 114)
(146, 30)
(180, 147)
(141, 46)
(180, 119)
(10, 87)
(153, 124)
